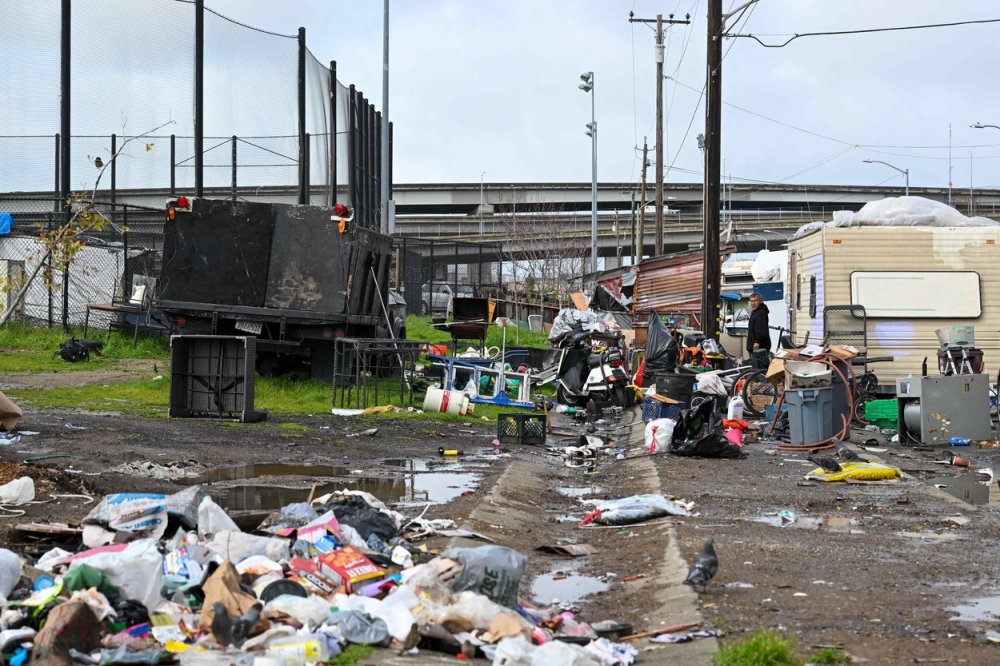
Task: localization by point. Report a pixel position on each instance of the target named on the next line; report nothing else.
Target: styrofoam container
(807, 374)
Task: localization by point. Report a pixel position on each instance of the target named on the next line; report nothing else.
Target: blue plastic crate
(654, 409)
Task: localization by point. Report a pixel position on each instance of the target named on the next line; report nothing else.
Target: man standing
(758, 335)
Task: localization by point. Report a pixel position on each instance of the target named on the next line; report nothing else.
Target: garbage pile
(161, 578)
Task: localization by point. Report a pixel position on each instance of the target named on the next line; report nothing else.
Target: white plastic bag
(19, 491)
(10, 571)
(633, 509)
(237, 546)
(659, 433)
(135, 570)
(212, 519)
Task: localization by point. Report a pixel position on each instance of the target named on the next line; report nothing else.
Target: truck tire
(425, 308)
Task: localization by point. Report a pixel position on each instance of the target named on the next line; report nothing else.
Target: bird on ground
(846, 453)
(98, 162)
(704, 566)
(228, 630)
(826, 462)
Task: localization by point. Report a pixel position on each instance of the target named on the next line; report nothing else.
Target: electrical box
(932, 410)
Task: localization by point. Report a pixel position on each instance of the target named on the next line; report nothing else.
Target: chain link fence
(123, 252)
(430, 272)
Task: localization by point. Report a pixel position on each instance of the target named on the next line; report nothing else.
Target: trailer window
(917, 294)
(812, 296)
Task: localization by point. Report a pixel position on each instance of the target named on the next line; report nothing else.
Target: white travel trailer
(919, 266)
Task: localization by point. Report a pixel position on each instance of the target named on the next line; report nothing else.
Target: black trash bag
(699, 433)
(367, 520)
(662, 349)
(74, 350)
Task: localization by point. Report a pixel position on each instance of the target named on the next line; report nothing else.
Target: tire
(425, 308)
(859, 411)
(758, 393)
(619, 397)
(565, 398)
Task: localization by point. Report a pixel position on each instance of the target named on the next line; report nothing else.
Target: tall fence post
(114, 171)
(173, 164)
(332, 167)
(303, 192)
(234, 165)
(126, 278)
(306, 157)
(199, 97)
(352, 161)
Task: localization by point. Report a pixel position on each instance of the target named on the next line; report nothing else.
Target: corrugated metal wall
(900, 249)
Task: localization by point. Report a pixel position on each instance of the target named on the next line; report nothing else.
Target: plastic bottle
(308, 648)
(960, 441)
(735, 409)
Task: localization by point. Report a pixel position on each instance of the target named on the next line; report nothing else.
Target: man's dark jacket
(757, 330)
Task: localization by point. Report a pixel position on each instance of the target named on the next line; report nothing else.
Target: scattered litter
(28, 433)
(684, 637)
(9, 440)
(70, 426)
(736, 585)
(875, 449)
(370, 432)
(861, 471)
(634, 509)
(570, 549)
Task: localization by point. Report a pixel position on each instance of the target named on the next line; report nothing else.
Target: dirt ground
(882, 570)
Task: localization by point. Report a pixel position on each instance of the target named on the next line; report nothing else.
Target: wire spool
(911, 417)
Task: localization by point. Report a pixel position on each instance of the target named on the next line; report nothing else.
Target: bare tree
(59, 246)
(544, 246)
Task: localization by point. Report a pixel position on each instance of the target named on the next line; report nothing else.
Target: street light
(905, 172)
(982, 126)
(588, 87)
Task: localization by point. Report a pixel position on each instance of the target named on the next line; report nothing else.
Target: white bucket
(446, 402)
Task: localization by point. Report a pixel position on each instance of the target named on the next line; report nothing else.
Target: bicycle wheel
(758, 393)
(859, 409)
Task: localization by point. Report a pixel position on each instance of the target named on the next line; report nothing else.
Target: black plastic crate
(521, 428)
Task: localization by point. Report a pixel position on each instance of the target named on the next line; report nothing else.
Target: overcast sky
(491, 85)
(488, 88)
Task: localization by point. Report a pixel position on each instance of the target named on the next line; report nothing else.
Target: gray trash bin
(810, 414)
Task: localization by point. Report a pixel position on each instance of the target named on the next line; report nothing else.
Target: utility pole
(658, 241)
(632, 228)
(712, 272)
(642, 204)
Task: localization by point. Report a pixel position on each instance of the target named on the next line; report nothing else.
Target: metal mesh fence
(132, 73)
(430, 272)
(127, 246)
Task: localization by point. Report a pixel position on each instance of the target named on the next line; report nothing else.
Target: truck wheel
(269, 365)
(425, 308)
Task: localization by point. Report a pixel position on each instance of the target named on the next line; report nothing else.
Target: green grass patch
(292, 426)
(35, 349)
(351, 655)
(146, 397)
(828, 656)
(761, 649)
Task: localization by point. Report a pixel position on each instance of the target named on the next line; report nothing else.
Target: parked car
(439, 301)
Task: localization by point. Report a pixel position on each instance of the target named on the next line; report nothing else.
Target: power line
(862, 31)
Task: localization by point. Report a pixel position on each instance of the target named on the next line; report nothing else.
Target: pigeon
(826, 462)
(846, 453)
(98, 162)
(704, 566)
(228, 630)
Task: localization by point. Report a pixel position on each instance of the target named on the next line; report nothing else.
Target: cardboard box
(776, 371)
(350, 565)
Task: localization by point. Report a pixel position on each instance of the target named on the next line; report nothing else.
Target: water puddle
(984, 609)
(397, 481)
(969, 489)
(580, 491)
(564, 586)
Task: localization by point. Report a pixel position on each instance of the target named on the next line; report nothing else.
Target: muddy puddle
(567, 586)
(983, 609)
(263, 487)
(969, 488)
